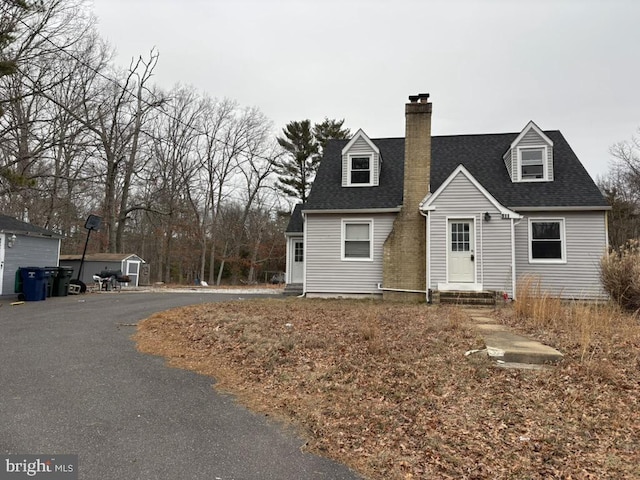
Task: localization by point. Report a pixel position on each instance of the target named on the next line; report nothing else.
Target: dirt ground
(386, 388)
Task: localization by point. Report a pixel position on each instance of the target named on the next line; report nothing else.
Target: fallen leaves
(386, 389)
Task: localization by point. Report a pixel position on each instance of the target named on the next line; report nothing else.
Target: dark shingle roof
(327, 192)
(480, 154)
(13, 225)
(295, 224)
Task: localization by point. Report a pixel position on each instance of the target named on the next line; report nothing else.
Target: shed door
(133, 270)
(460, 252)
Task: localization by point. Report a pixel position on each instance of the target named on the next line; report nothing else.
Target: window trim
(350, 158)
(545, 158)
(563, 240)
(343, 239)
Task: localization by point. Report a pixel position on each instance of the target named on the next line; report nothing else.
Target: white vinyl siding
(326, 271)
(585, 243)
(360, 148)
(461, 199)
(508, 162)
(28, 251)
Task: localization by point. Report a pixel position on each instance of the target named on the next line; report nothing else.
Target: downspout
(513, 255)
(606, 231)
(304, 255)
(481, 251)
(403, 290)
(427, 252)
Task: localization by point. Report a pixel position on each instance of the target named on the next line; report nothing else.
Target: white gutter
(355, 210)
(404, 290)
(559, 209)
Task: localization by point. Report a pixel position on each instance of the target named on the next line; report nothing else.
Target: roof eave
(573, 208)
(31, 234)
(354, 210)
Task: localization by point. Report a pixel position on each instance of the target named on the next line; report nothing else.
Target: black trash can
(34, 283)
(50, 274)
(17, 286)
(61, 282)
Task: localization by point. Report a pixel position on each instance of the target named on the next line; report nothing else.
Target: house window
(546, 240)
(356, 243)
(298, 252)
(532, 163)
(360, 170)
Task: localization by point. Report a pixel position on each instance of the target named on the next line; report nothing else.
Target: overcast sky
(489, 65)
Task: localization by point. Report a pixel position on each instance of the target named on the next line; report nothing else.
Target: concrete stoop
(509, 349)
(292, 289)
(484, 298)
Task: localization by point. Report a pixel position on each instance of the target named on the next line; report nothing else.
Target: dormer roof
(357, 136)
(531, 126)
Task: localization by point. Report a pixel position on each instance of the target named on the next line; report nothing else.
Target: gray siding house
(405, 217)
(24, 245)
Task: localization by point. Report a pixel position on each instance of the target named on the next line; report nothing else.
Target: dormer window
(361, 162)
(360, 170)
(530, 156)
(531, 162)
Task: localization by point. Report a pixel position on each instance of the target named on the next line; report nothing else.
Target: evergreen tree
(304, 146)
(11, 13)
(327, 130)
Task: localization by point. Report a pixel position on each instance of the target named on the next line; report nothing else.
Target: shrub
(620, 275)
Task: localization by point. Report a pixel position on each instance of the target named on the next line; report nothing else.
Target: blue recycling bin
(34, 283)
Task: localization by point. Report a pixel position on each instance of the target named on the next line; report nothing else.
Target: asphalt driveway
(71, 381)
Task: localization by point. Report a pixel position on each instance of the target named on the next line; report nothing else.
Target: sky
(490, 66)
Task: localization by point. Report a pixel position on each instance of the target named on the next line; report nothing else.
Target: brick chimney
(405, 259)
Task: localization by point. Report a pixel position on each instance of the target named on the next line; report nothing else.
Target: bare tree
(621, 187)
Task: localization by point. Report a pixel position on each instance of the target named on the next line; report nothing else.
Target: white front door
(297, 261)
(461, 251)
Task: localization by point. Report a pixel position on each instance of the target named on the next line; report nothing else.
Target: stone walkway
(507, 348)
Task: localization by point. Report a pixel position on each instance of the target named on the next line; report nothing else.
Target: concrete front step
(464, 298)
(293, 289)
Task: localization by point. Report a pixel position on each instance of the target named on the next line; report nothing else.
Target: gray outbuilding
(24, 245)
(129, 264)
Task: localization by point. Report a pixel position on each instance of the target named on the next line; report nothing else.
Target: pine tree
(304, 146)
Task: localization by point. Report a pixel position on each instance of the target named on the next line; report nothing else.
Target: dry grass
(386, 388)
(595, 327)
